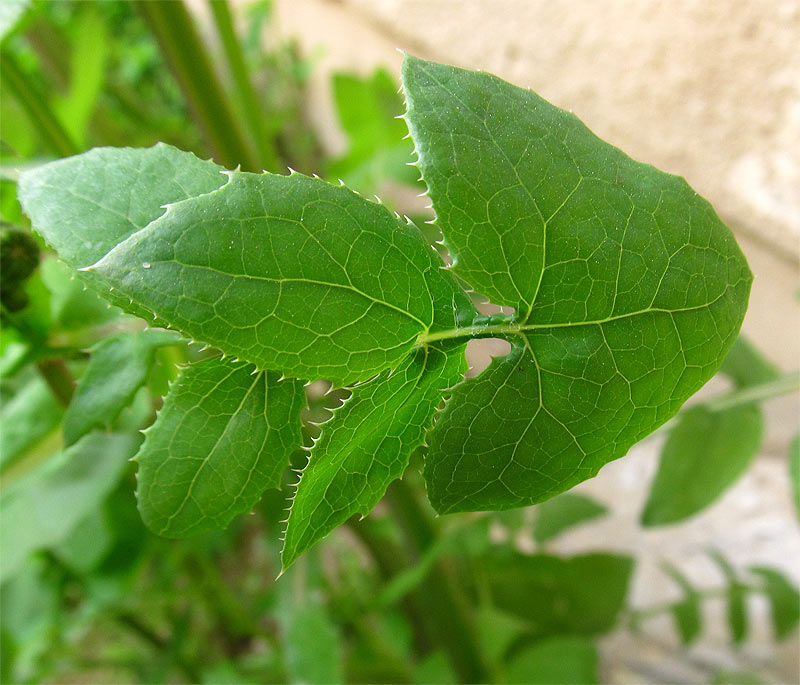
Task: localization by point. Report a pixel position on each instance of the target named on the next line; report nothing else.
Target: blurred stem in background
(267, 157)
(184, 51)
(42, 117)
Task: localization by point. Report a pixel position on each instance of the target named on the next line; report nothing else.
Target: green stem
(389, 561)
(268, 159)
(49, 45)
(448, 612)
(756, 393)
(132, 622)
(173, 28)
(45, 122)
(58, 378)
(238, 623)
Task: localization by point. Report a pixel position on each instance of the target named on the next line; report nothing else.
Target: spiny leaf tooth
(341, 182)
(292, 172)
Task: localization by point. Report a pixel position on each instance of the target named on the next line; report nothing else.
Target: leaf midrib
(492, 331)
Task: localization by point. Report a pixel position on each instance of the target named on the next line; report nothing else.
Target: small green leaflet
(794, 471)
(704, 455)
(687, 611)
(29, 416)
(784, 600)
(628, 288)
(736, 599)
(560, 596)
(560, 660)
(224, 436)
(369, 443)
(118, 367)
(556, 515)
(43, 507)
(628, 293)
(707, 451)
(379, 149)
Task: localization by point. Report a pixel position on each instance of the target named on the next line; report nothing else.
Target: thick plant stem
(267, 158)
(45, 122)
(447, 610)
(173, 28)
(58, 378)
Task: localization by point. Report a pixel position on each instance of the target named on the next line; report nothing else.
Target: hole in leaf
(480, 353)
(321, 400)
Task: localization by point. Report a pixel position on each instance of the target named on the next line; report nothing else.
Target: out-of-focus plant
(400, 596)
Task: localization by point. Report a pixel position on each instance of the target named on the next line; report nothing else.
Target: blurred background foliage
(89, 595)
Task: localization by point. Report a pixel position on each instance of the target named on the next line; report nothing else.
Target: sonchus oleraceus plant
(627, 292)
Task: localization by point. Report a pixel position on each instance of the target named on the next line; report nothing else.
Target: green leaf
(85, 205)
(287, 272)
(687, 611)
(705, 453)
(368, 443)
(628, 288)
(312, 646)
(90, 42)
(746, 366)
(555, 516)
(224, 436)
(72, 306)
(497, 631)
(794, 471)
(379, 148)
(564, 660)
(118, 367)
(784, 600)
(42, 508)
(558, 596)
(435, 667)
(736, 599)
(28, 417)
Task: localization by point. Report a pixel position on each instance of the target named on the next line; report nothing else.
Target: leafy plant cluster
(626, 290)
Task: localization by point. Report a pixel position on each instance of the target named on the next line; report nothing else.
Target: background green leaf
(707, 451)
(29, 416)
(687, 611)
(379, 148)
(562, 660)
(560, 596)
(118, 367)
(784, 600)
(736, 599)
(42, 508)
(556, 515)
